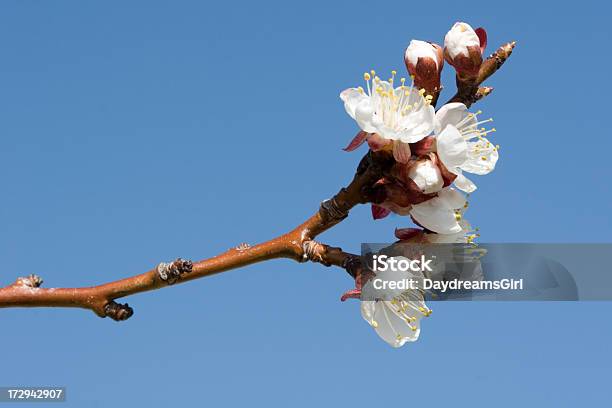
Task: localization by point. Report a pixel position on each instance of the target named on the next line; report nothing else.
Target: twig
(469, 90)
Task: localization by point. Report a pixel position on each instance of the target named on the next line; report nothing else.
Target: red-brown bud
(424, 61)
(463, 48)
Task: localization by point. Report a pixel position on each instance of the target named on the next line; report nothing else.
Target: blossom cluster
(432, 151)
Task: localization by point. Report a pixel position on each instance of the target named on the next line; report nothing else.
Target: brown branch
(297, 244)
(468, 88)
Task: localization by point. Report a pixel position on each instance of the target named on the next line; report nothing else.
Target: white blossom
(400, 113)
(397, 321)
(462, 146)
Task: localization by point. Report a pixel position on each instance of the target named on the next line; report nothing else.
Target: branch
(297, 244)
(469, 89)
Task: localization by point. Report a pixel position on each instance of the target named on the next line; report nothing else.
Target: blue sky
(136, 132)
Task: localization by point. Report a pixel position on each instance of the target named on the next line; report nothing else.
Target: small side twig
(468, 90)
(117, 311)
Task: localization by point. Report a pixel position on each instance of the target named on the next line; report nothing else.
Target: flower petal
(364, 115)
(417, 124)
(452, 198)
(465, 184)
(452, 148)
(438, 214)
(401, 152)
(388, 325)
(367, 311)
(482, 157)
(426, 176)
(447, 175)
(351, 98)
(452, 114)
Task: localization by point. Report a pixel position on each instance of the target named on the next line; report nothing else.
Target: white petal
(453, 114)
(464, 184)
(452, 147)
(383, 130)
(482, 157)
(417, 125)
(451, 198)
(367, 311)
(390, 327)
(364, 115)
(351, 98)
(436, 216)
(426, 176)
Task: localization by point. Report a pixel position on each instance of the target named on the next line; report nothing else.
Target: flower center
(391, 104)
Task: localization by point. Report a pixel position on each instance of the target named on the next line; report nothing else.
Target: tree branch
(297, 244)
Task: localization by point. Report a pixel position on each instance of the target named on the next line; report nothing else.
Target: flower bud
(463, 47)
(422, 177)
(424, 62)
(426, 176)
